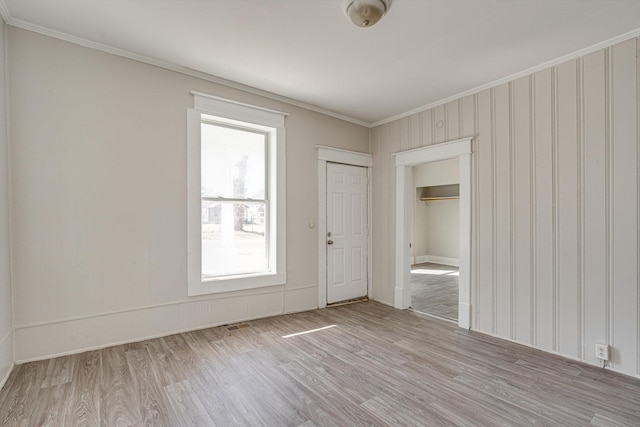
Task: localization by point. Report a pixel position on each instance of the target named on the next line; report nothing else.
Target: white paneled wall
(555, 242)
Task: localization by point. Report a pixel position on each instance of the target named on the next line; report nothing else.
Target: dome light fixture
(365, 13)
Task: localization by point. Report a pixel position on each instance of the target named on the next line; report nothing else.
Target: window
(236, 217)
(234, 201)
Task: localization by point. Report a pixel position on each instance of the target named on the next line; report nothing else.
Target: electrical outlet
(602, 351)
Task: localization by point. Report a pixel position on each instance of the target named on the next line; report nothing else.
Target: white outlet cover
(602, 351)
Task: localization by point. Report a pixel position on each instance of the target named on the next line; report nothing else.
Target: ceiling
(421, 52)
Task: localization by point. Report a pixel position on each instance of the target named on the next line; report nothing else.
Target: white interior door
(347, 232)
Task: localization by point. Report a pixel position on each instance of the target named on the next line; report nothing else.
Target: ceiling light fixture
(365, 13)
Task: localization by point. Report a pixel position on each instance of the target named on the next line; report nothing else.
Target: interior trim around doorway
(405, 160)
(354, 158)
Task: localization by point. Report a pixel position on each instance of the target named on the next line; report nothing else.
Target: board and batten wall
(99, 187)
(555, 210)
(6, 315)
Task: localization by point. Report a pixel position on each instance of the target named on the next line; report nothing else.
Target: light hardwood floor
(434, 290)
(363, 364)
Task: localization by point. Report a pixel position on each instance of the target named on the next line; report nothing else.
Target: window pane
(232, 163)
(233, 238)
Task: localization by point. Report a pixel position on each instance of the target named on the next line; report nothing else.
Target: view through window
(236, 196)
(234, 200)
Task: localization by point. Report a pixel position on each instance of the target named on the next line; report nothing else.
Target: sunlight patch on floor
(309, 331)
(431, 272)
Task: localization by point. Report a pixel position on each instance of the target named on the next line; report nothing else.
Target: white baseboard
(6, 357)
(564, 356)
(71, 336)
(301, 299)
(399, 296)
(464, 315)
(4, 379)
(436, 260)
(420, 259)
(442, 260)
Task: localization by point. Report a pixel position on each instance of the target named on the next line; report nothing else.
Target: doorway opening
(434, 290)
(405, 201)
(435, 239)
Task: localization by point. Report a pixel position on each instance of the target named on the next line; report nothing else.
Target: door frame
(405, 195)
(352, 158)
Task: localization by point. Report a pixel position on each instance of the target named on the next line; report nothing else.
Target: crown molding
(9, 20)
(574, 55)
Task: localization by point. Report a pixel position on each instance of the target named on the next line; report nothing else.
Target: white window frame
(272, 122)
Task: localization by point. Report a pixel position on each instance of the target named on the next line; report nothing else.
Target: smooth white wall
(419, 231)
(443, 229)
(98, 156)
(6, 315)
(555, 204)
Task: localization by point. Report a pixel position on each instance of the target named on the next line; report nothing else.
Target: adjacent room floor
(359, 364)
(434, 290)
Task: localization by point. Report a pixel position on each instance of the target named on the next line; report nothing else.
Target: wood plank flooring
(364, 364)
(434, 290)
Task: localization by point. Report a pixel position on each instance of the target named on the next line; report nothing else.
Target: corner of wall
(7, 354)
(6, 357)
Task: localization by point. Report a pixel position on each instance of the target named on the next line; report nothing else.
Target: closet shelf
(440, 192)
(428, 199)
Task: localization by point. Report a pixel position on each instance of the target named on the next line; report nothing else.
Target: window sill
(235, 283)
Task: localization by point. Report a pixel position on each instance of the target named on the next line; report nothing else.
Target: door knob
(329, 242)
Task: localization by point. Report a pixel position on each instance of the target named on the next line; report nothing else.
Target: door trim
(405, 193)
(353, 158)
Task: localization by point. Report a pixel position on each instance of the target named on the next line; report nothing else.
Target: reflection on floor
(434, 290)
